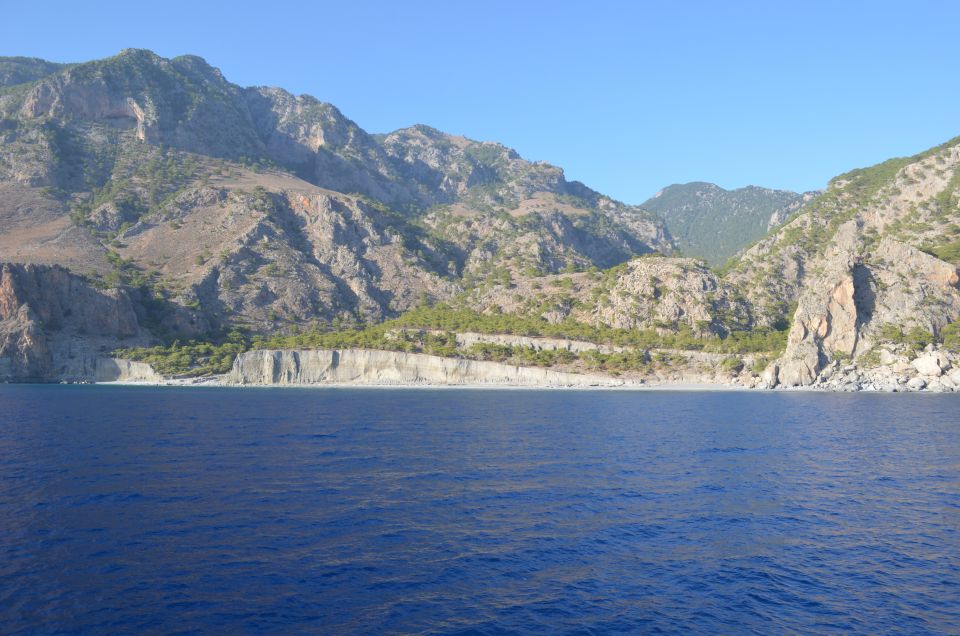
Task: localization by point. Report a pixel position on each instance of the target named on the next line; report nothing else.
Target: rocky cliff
(120, 370)
(872, 257)
(54, 325)
(360, 366)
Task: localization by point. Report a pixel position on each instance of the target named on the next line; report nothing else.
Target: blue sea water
(163, 510)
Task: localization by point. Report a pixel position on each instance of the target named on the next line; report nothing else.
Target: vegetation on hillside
(711, 223)
(432, 330)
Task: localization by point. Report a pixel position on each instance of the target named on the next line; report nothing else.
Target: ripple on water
(160, 510)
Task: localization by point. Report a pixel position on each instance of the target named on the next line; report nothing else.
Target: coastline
(379, 369)
(218, 383)
(666, 387)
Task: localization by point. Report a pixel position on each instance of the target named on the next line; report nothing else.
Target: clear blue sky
(625, 96)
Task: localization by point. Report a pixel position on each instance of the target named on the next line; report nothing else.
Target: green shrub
(732, 365)
(919, 337)
(950, 335)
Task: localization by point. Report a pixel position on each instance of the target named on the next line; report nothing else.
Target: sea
(162, 510)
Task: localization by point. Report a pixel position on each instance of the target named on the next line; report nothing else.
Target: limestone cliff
(361, 366)
(54, 326)
(119, 370)
(853, 264)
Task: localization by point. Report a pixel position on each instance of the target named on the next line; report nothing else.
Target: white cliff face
(120, 370)
(360, 366)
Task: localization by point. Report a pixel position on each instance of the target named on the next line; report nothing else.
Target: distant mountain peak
(713, 223)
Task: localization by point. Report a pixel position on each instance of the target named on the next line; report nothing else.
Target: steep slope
(711, 223)
(255, 207)
(661, 293)
(854, 264)
(54, 326)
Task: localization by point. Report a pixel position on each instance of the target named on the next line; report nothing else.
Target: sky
(627, 97)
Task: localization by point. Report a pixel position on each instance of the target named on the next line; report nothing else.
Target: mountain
(233, 207)
(288, 208)
(21, 70)
(711, 223)
(150, 208)
(873, 261)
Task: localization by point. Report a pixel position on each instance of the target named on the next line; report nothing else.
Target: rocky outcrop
(372, 367)
(895, 368)
(652, 292)
(54, 325)
(826, 319)
(857, 293)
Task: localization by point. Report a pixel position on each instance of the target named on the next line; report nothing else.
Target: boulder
(916, 384)
(903, 367)
(932, 363)
(769, 375)
(888, 357)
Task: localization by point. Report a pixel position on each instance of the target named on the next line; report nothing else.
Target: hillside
(871, 261)
(256, 203)
(209, 219)
(711, 223)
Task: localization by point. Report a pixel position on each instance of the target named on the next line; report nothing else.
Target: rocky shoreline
(933, 370)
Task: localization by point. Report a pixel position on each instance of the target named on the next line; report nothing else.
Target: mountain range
(148, 202)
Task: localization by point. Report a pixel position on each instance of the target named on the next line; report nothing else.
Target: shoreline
(379, 369)
(680, 386)
(666, 387)
(691, 387)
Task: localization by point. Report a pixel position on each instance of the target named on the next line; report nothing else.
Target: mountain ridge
(236, 217)
(714, 223)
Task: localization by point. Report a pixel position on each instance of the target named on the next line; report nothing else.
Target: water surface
(157, 510)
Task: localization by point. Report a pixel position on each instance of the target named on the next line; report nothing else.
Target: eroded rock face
(857, 293)
(675, 291)
(361, 366)
(644, 293)
(53, 324)
(120, 370)
(825, 321)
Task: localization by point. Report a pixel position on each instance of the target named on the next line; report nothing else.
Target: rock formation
(119, 370)
(54, 326)
(359, 366)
